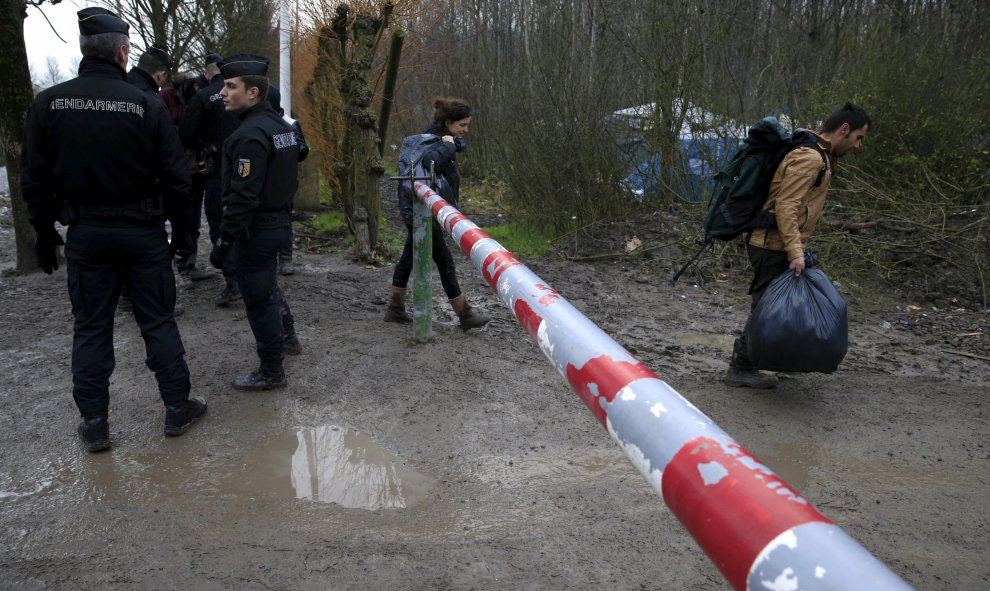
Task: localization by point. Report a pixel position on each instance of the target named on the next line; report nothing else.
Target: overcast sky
(41, 41)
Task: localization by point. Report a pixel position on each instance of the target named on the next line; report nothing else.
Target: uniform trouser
(441, 256)
(267, 311)
(101, 258)
(198, 187)
(213, 205)
(767, 265)
(285, 252)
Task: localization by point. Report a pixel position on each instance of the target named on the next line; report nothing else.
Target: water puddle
(792, 462)
(325, 464)
(722, 342)
(329, 464)
(6, 495)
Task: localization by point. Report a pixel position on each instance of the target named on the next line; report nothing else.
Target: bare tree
(52, 73)
(192, 28)
(15, 99)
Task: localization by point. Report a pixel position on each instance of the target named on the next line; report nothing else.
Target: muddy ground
(468, 463)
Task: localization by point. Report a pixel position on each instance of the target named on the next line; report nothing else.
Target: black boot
(260, 380)
(197, 274)
(179, 418)
(230, 294)
(749, 378)
(94, 430)
(290, 341)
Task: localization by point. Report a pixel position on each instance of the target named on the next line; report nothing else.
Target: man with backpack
(796, 200)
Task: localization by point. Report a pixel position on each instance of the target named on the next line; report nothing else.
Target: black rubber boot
(94, 432)
(179, 418)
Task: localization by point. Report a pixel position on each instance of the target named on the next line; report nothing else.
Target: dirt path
(468, 464)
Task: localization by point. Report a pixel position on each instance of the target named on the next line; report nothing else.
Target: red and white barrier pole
(757, 530)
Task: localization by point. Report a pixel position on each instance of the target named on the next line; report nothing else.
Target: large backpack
(742, 186)
(414, 147)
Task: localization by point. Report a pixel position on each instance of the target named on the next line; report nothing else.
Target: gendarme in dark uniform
(259, 180)
(102, 157)
(205, 126)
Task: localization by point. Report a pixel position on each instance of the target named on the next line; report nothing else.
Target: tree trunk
(15, 99)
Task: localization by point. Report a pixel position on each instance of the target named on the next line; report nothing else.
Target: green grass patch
(482, 196)
(326, 193)
(391, 240)
(331, 222)
(522, 241)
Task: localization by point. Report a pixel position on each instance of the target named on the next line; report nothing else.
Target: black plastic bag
(799, 325)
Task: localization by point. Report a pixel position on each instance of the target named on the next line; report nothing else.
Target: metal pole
(422, 270)
(284, 58)
(758, 531)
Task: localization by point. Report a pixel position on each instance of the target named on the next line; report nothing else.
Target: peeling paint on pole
(758, 531)
(422, 273)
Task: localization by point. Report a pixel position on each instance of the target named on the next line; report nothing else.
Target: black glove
(181, 242)
(220, 255)
(46, 248)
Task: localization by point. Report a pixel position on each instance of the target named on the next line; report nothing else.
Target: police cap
(96, 20)
(243, 64)
(212, 58)
(160, 53)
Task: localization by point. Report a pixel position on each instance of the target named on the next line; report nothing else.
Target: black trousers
(285, 253)
(198, 187)
(267, 311)
(102, 257)
(441, 256)
(213, 205)
(767, 265)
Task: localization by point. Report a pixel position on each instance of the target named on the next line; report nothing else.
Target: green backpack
(742, 186)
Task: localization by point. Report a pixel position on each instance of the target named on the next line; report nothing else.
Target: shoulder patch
(243, 167)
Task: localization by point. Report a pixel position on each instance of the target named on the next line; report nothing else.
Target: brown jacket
(797, 203)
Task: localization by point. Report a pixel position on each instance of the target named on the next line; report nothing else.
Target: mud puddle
(326, 464)
(723, 342)
(792, 462)
(537, 467)
(331, 464)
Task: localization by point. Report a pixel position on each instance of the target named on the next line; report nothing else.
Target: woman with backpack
(451, 118)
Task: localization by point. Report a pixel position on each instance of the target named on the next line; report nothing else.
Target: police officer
(148, 75)
(151, 69)
(114, 193)
(259, 181)
(204, 128)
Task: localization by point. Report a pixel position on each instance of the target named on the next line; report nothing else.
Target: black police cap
(160, 53)
(243, 64)
(95, 21)
(212, 58)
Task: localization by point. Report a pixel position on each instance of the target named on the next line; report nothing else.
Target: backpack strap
(811, 141)
(707, 242)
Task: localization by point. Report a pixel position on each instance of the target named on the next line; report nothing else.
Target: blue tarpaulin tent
(705, 145)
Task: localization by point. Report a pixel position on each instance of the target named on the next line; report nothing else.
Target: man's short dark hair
(150, 64)
(102, 44)
(854, 115)
(259, 82)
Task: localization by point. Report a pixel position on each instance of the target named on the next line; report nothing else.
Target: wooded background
(544, 76)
